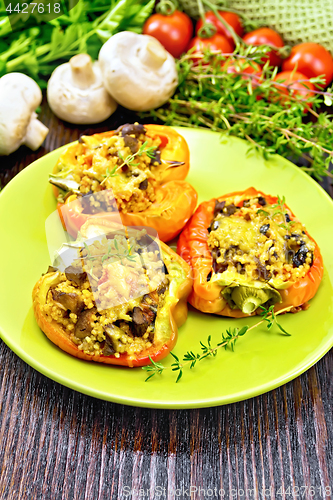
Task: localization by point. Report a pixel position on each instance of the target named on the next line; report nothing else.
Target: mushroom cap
(19, 97)
(137, 71)
(76, 94)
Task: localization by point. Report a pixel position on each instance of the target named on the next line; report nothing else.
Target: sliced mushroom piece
(143, 185)
(51, 269)
(230, 210)
(132, 143)
(142, 318)
(108, 348)
(75, 274)
(111, 329)
(71, 301)
(219, 206)
(219, 267)
(135, 129)
(84, 324)
(151, 299)
(65, 184)
(145, 241)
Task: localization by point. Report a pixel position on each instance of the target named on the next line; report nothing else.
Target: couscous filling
(126, 162)
(255, 243)
(108, 299)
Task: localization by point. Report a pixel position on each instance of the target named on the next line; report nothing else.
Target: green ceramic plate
(262, 360)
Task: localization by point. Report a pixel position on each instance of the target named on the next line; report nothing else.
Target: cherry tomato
(174, 32)
(266, 36)
(216, 42)
(311, 59)
(243, 67)
(229, 17)
(290, 84)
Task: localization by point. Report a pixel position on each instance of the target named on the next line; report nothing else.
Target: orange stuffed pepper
(118, 302)
(142, 166)
(247, 250)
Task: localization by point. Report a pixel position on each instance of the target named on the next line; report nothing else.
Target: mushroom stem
(36, 133)
(153, 55)
(82, 71)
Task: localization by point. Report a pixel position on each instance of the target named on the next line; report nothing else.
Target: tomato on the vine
(216, 42)
(295, 84)
(230, 17)
(266, 36)
(311, 59)
(173, 31)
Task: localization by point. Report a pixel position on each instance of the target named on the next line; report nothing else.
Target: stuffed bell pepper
(119, 300)
(143, 167)
(247, 250)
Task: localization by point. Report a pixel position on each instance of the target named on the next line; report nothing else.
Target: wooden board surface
(59, 444)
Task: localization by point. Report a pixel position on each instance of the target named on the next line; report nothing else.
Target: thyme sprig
(129, 160)
(228, 339)
(280, 209)
(125, 254)
(252, 107)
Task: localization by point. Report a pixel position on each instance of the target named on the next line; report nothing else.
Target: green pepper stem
(250, 305)
(248, 299)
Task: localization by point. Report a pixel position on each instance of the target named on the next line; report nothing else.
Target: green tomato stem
(237, 39)
(166, 7)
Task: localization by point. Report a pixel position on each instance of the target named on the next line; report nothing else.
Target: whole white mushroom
(137, 71)
(75, 92)
(20, 96)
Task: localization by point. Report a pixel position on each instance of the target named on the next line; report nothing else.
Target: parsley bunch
(37, 46)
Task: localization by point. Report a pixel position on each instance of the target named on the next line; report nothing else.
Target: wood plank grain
(57, 443)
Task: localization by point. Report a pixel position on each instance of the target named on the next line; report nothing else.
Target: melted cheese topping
(258, 242)
(99, 164)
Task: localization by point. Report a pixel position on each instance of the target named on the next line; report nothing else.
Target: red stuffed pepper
(144, 166)
(247, 250)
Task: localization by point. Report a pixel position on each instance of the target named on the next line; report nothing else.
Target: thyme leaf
(129, 160)
(228, 339)
(251, 107)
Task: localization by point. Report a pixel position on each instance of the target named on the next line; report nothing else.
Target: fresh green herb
(125, 254)
(281, 210)
(129, 160)
(269, 316)
(250, 107)
(229, 339)
(261, 211)
(111, 173)
(36, 47)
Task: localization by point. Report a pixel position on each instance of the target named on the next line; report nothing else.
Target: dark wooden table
(59, 444)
